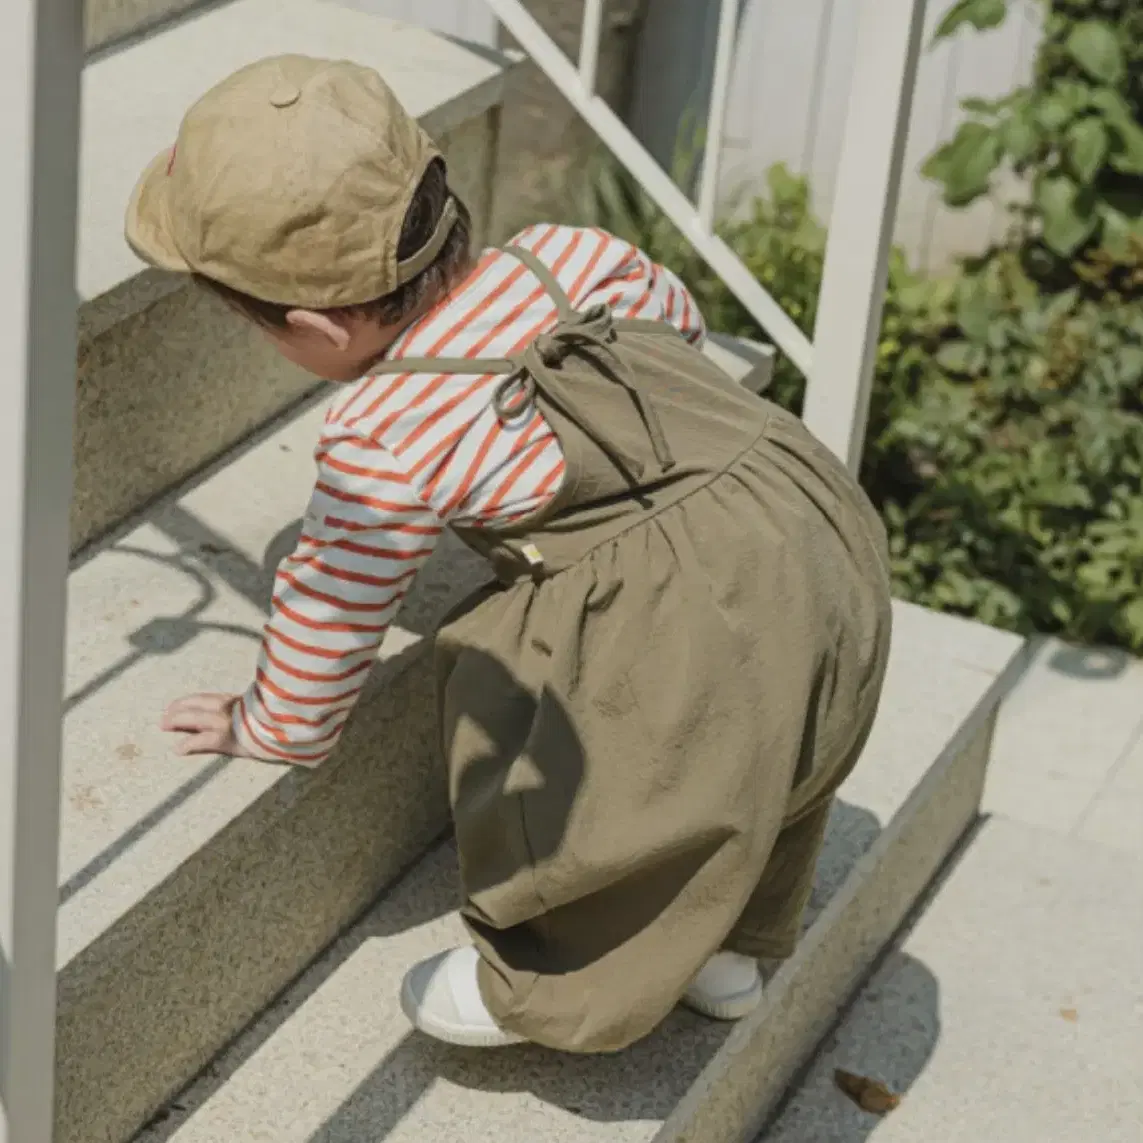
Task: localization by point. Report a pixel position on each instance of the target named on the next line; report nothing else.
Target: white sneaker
(727, 988)
(441, 998)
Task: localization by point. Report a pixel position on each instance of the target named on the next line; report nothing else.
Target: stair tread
(134, 98)
(333, 1061)
(972, 1017)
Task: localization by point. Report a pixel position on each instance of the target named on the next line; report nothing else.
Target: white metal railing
(838, 363)
(577, 85)
(40, 65)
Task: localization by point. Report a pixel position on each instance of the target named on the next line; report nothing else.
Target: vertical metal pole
(591, 35)
(716, 117)
(861, 224)
(41, 58)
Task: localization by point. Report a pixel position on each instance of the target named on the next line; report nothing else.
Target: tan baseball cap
(290, 181)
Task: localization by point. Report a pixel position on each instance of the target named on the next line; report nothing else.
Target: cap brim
(148, 229)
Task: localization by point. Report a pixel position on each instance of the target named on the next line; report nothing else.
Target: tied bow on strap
(537, 369)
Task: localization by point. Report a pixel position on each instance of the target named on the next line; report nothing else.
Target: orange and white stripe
(404, 456)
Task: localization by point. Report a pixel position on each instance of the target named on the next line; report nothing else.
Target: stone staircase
(241, 928)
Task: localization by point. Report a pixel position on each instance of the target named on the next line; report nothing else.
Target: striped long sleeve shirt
(404, 456)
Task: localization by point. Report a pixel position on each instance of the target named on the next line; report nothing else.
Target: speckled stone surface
(167, 378)
(1011, 1011)
(160, 394)
(744, 1082)
(334, 1061)
(106, 21)
(193, 891)
(1067, 731)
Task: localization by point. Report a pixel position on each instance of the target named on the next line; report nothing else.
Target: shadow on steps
(641, 1086)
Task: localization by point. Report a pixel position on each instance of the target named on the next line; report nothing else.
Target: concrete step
(107, 22)
(333, 1061)
(168, 377)
(193, 892)
(1012, 1010)
(748, 362)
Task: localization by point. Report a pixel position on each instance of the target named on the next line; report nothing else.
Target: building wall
(467, 19)
(789, 94)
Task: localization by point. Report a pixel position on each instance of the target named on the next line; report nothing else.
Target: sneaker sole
(458, 1035)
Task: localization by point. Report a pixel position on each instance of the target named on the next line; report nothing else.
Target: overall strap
(535, 370)
(564, 310)
(547, 279)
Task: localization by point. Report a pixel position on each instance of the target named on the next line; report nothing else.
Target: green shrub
(1014, 491)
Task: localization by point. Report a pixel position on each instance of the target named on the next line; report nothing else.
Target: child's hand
(205, 723)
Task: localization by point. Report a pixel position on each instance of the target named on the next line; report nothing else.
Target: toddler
(646, 718)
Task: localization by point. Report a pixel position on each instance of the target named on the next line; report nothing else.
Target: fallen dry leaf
(1070, 1015)
(869, 1094)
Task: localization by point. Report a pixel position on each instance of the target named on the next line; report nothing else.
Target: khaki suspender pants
(645, 721)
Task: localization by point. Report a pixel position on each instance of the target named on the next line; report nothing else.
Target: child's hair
(424, 213)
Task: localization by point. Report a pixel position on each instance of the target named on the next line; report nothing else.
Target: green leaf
(979, 14)
(960, 357)
(965, 164)
(1019, 135)
(1076, 94)
(975, 314)
(974, 105)
(1127, 155)
(1087, 145)
(1129, 364)
(1095, 46)
(1118, 231)
(1054, 112)
(1112, 104)
(1068, 219)
(1061, 305)
(1133, 619)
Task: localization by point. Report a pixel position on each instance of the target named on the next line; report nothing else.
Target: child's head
(303, 193)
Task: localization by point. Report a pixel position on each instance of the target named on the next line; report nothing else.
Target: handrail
(838, 364)
(619, 139)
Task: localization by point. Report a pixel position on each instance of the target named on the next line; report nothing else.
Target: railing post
(591, 34)
(41, 59)
(716, 117)
(861, 224)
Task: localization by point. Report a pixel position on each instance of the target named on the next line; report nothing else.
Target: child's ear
(322, 325)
